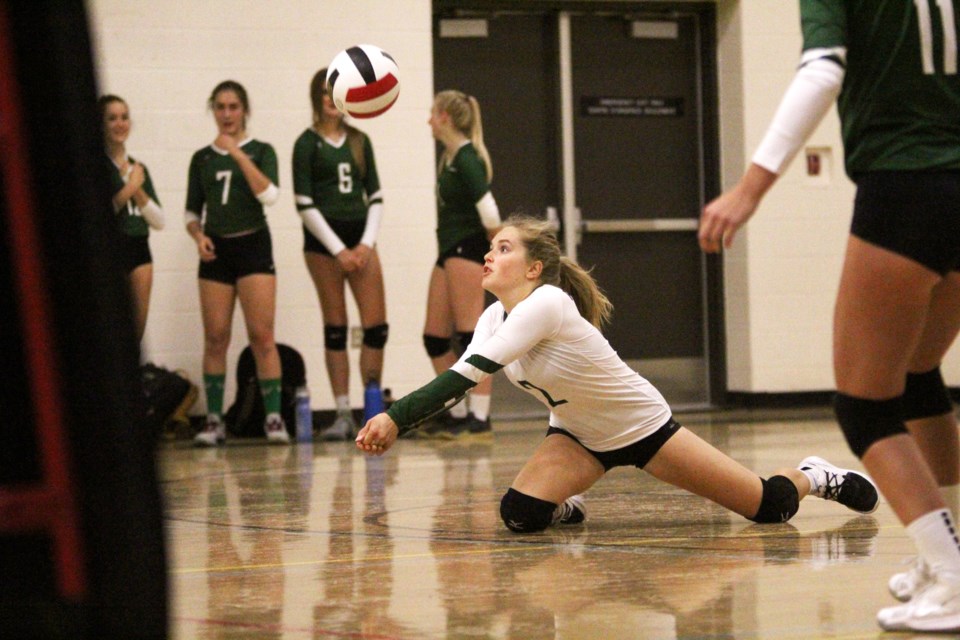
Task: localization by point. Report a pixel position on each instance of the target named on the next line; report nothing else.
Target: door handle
(640, 226)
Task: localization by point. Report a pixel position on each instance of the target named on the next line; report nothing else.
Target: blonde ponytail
(464, 112)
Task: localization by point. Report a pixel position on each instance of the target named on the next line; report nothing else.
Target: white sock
(343, 404)
(459, 410)
(935, 535)
(812, 478)
(271, 416)
(480, 406)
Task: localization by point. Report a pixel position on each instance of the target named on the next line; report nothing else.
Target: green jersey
(460, 185)
(900, 101)
(130, 217)
(326, 176)
(217, 185)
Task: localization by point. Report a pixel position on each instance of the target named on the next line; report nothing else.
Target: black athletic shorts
(239, 256)
(349, 231)
(472, 248)
(135, 251)
(637, 454)
(913, 213)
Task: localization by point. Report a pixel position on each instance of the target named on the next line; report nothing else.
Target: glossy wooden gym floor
(319, 541)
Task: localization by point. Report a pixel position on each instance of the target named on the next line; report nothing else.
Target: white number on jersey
(346, 180)
(926, 36)
(225, 176)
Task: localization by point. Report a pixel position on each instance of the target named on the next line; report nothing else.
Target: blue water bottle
(372, 400)
(304, 416)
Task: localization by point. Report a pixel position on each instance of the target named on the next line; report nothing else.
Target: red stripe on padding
(371, 114)
(49, 506)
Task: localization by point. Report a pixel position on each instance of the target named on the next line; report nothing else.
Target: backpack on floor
(167, 396)
(244, 418)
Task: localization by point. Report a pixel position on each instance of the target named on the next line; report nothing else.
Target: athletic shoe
(573, 510)
(445, 427)
(214, 432)
(343, 428)
(851, 489)
(935, 608)
(276, 430)
(903, 586)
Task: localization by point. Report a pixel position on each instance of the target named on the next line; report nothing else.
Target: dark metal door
(599, 120)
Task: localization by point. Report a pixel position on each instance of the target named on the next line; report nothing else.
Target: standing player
(337, 194)
(544, 332)
(228, 184)
(894, 66)
(467, 218)
(136, 203)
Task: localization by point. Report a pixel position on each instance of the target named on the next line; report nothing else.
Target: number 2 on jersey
(926, 36)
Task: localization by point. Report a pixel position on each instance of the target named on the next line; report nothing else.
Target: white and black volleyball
(364, 81)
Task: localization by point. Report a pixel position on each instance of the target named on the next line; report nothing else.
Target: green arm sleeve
(302, 182)
(148, 185)
(269, 165)
(427, 399)
(195, 195)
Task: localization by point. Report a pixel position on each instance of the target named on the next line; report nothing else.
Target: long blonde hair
(541, 244)
(318, 89)
(464, 112)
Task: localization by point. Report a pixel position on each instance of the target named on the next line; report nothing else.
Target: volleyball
(364, 81)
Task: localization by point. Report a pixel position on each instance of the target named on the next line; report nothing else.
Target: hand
(226, 142)
(377, 435)
(347, 261)
(205, 248)
(135, 175)
(361, 255)
(723, 216)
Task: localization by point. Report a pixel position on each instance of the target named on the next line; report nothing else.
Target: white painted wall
(165, 56)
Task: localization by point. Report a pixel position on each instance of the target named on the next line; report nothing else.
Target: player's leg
(328, 279)
(257, 293)
(547, 489)
(437, 335)
(467, 303)
(216, 309)
(141, 283)
(367, 287)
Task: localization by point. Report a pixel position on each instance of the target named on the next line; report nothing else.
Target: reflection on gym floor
(319, 541)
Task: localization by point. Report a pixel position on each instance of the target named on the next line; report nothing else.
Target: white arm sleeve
(807, 99)
(370, 231)
(153, 214)
(269, 195)
(321, 230)
(190, 216)
(488, 210)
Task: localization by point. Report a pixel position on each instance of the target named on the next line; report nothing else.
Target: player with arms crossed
(228, 184)
(544, 333)
(893, 65)
(337, 193)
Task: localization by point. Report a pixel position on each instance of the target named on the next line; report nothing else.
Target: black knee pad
(926, 396)
(465, 338)
(435, 345)
(780, 500)
(525, 514)
(863, 422)
(334, 337)
(375, 337)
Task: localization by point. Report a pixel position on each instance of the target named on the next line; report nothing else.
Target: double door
(603, 122)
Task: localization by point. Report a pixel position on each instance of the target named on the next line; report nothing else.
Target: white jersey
(547, 348)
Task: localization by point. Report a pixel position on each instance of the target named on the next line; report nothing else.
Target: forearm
(259, 183)
(413, 407)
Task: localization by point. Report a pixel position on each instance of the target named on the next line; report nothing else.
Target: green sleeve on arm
(428, 398)
(195, 195)
(148, 185)
(302, 181)
(269, 166)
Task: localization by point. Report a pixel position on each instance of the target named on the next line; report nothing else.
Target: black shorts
(349, 231)
(135, 251)
(239, 256)
(472, 248)
(913, 213)
(637, 454)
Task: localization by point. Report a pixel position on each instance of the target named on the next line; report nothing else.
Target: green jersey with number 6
(217, 187)
(326, 176)
(900, 101)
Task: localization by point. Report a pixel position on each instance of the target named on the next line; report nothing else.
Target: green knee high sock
(213, 384)
(271, 395)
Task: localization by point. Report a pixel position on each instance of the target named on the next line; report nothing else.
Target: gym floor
(319, 541)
